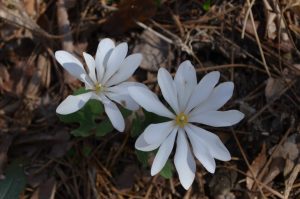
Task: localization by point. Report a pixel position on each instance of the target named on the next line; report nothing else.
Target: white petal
(184, 161)
(167, 88)
(90, 62)
(149, 101)
(218, 118)
(115, 116)
(127, 68)
(114, 61)
(88, 82)
(201, 151)
(73, 103)
(142, 145)
(186, 81)
(210, 140)
(105, 46)
(203, 90)
(219, 96)
(154, 135)
(163, 153)
(120, 94)
(70, 63)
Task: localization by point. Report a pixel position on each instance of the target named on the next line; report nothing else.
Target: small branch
(64, 26)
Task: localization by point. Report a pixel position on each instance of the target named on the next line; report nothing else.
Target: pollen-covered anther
(98, 88)
(181, 119)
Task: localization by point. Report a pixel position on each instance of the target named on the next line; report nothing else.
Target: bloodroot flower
(190, 103)
(104, 79)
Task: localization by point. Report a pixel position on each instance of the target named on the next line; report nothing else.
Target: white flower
(104, 80)
(191, 103)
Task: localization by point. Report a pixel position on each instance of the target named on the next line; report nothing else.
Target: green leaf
(137, 126)
(84, 130)
(86, 151)
(167, 171)
(206, 5)
(14, 182)
(80, 91)
(85, 117)
(94, 106)
(125, 112)
(103, 128)
(142, 157)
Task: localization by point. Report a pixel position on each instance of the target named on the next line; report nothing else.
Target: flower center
(98, 88)
(181, 119)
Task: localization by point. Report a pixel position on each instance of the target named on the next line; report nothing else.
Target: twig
(247, 162)
(258, 40)
(92, 180)
(270, 189)
(266, 166)
(246, 18)
(272, 101)
(142, 25)
(178, 42)
(291, 180)
(64, 25)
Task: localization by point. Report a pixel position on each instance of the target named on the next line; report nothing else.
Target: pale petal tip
(186, 185)
(120, 128)
(161, 70)
(187, 62)
(123, 45)
(62, 110)
(58, 52)
(230, 86)
(214, 74)
(59, 55)
(85, 54)
(139, 56)
(211, 169)
(154, 171)
(227, 157)
(240, 116)
(106, 40)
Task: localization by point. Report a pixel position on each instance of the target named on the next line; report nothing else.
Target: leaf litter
(104, 165)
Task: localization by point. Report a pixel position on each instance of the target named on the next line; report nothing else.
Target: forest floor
(255, 44)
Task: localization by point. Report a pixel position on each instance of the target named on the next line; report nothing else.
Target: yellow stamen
(181, 119)
(98, 88)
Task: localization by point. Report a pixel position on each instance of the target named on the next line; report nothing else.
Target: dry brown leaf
(125, 180)
(273, 88)
(40, 78)
(46, 190)
(129, 11)
(5, 143)
(222, 183)
(290, 181)
(290, 149)
(257, 164)
(297, 66)
(155, 51)
(5, 83)
(30, 7)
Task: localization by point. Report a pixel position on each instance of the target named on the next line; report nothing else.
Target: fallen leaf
(129, 11)
(46, 190)
(257, 164)
(155, 51)
(222, 182)
(273, 88)
(126, 179)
